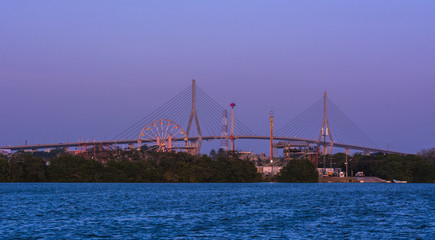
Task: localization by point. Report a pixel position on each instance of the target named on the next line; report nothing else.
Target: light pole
(232, 105)
(346, 166)
(271, 136)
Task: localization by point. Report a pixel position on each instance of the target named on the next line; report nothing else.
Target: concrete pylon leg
(325, 130)
(131, 146)
(194, 116)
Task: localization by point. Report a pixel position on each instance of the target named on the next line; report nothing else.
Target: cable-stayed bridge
(192, 116)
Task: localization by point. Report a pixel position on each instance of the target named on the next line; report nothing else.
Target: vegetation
(299, 171)
(428, 155)
(127, 166)
(220, 166)
(412, 168)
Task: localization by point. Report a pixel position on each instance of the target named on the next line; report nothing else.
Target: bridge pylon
(325, 130)
(193, 115)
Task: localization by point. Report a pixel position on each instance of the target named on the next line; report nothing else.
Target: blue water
(217, 211)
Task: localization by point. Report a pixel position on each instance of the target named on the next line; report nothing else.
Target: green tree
(74, 169)
(24, 167)
(34, 169)
(213, 154)
(16, 171)
(4, 170)
(428, 155)
(411, 168)
(300, 171)
(338, 160)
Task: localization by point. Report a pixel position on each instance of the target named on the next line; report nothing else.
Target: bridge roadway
(206, 138)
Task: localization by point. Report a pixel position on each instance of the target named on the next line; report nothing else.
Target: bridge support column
(331, 145)
(325, 130)
(347, 151)
(326, 149)
(194, 116)
(366, 152)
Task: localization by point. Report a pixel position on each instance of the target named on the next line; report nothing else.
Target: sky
(89, 69)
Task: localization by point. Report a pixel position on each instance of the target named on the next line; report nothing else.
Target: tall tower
(271, 136)
(193, 115)
(224, 131)
(325, 131)
(232, 126)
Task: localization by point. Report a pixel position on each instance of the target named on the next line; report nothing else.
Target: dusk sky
(89, 69)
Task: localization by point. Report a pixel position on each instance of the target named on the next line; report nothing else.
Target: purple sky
(71, 69)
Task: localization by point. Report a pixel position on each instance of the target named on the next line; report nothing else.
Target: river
(217, 211)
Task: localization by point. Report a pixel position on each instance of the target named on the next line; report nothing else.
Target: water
(217, 211)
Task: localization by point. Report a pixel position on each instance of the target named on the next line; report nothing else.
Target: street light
(346, 164)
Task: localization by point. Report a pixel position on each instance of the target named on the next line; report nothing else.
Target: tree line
(419, 168)
(221, 166)
(127, 166)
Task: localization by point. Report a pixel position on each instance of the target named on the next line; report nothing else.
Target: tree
(34, 169)
(74, 169)
(411, 168)
(300, 171)
(24, 167)
(339, 160)
(4, 173)
(129, 166)
(213, 154)
(428, 155)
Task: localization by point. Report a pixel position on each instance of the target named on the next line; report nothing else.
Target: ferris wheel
(164, 132)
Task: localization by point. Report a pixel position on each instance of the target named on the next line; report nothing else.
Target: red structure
(232, 105)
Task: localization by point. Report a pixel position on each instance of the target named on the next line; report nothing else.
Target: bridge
(322, 124)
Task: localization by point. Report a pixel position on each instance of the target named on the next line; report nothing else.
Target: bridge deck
(207, 138)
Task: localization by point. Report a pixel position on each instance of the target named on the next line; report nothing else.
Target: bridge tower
(224, 131)
(325, 131)
(193, 115)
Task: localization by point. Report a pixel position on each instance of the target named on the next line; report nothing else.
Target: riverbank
(351, 180)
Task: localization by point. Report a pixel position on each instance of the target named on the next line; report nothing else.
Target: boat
(398, 181)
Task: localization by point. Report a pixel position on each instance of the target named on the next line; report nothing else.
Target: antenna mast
(224, 131)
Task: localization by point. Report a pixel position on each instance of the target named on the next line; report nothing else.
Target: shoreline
(352, 180)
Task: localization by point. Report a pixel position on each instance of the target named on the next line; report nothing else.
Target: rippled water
(217, 211)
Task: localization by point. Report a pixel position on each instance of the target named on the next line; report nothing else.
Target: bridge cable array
(307, 125)
(178, 109)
